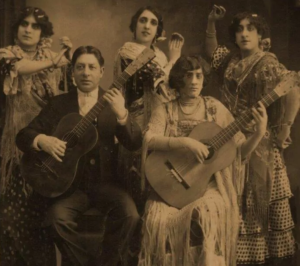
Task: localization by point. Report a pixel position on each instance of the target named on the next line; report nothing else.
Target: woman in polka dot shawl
(247, 73)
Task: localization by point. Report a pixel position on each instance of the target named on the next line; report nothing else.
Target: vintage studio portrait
(149, 132)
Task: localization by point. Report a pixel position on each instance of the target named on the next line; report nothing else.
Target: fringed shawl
(25, 97)
(216, 212)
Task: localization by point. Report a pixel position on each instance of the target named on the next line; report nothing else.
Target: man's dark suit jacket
(99, 165)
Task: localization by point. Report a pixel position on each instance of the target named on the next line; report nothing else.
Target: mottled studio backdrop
(105, 24)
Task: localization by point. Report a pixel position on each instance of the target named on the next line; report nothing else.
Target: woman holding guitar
(203, 232)
(247, 73)
(147, 87)
(30, 75)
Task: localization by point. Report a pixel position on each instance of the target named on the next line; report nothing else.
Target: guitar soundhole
(211, 152)
(71, 139)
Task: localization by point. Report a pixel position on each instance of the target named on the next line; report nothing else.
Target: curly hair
(183, 65)
(87, 50)
(257, 21)
(41, 18)
(136, 16)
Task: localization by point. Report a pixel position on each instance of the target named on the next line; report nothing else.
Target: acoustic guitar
(51, 178)
(178, 178)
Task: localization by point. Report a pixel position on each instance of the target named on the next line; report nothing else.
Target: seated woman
(31, 74)
(205, 231)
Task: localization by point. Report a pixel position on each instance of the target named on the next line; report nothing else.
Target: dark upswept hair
(41, 18)
(87, 50)
(153, 10)
(183, 65)
(257, 21)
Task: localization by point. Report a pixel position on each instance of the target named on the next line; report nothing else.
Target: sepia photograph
(149, 132)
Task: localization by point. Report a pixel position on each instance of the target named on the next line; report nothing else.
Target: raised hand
(175, 45)
(66, 46)
(66, 43)
(52, 145)
(217, 13)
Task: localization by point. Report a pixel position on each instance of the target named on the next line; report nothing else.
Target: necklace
(29, 50)
(189, 104)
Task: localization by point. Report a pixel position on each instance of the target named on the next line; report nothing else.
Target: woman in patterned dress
(31, 74)
(203, 232)
(147, 88)
(247, 73)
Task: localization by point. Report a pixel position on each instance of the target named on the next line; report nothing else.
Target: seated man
(96, 184)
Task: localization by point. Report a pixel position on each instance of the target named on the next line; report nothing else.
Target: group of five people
(244, 215)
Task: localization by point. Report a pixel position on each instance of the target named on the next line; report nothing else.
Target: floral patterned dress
(266, 221)
(22, 238)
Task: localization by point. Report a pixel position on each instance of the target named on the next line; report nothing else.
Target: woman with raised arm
(31, 74)
(203, 232)
(148, 87)
(247, 73)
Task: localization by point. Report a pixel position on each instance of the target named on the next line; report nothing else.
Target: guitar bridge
(177, 175)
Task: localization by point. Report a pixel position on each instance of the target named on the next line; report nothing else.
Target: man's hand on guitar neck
(116, 102)
(52, 145)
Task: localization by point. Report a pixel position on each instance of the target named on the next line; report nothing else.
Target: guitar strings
(80, 128)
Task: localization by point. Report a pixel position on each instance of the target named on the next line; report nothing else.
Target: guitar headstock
(143, 58)
(290, 81)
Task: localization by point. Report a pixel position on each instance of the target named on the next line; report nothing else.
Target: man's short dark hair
(87, 50)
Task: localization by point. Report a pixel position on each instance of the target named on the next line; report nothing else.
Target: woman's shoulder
(130, 50)
(214, 105)
(269, 58)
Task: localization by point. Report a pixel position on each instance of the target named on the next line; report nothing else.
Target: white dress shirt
(86, 100)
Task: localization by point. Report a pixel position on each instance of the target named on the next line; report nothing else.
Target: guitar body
(195, 176)
(57, 177)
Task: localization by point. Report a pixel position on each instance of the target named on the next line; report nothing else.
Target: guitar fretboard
(241, 122)
(85, 122)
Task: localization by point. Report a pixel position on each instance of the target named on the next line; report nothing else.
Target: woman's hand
(66, 43)
(175, 45)
(117, 103)
(197, 148)
(283, 139)
(64, 52)
(260, 118)
(52, 145)
(217, 13)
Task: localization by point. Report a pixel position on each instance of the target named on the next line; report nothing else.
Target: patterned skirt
(279, 243)
(22, 237)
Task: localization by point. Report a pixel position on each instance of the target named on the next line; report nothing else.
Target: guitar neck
(99, 106)
(143, 58)
(241, 122)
